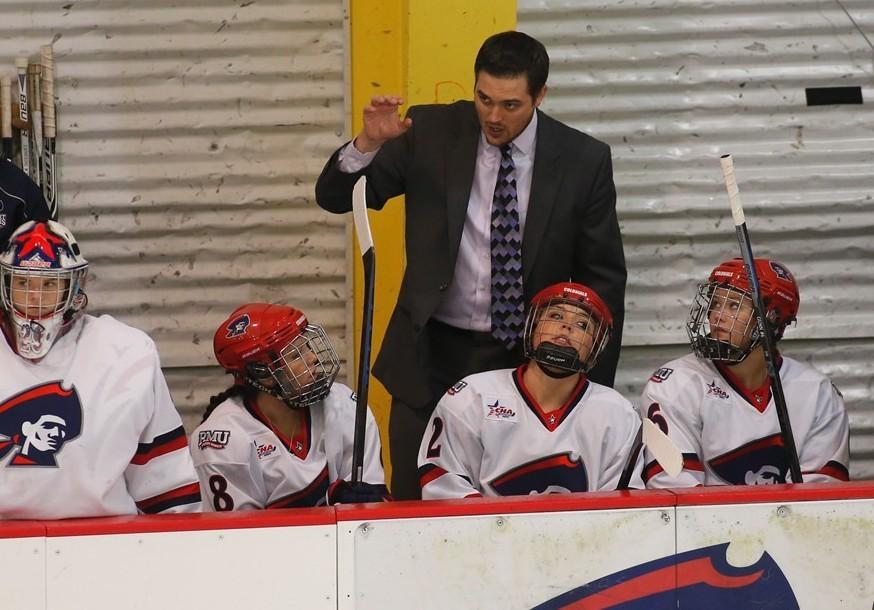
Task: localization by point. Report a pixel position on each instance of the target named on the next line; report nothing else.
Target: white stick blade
(662, 448)
(359, 214)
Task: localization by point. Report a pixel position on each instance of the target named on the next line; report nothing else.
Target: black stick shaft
(768, 342)
(369, 262)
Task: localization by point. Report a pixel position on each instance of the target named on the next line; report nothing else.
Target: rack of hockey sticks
(32, 114)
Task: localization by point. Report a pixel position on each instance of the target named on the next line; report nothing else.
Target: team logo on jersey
(213, 439)
(708, 581)
(560, 473)
(456, 388)
(714, 390)
(500, 412)
(661, 375)
(238, 326)
(38, 422)
(264, 449)
(761, 462)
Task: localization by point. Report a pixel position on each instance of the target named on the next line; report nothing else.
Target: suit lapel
(461, 161)
(545, 180)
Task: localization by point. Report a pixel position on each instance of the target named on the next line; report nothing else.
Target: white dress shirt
(467, 303)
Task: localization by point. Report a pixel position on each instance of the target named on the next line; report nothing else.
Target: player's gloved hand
(344, 492)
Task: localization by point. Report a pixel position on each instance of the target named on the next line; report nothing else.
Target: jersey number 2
(433, 447)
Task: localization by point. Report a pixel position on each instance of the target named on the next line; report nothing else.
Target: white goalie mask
(42, 277)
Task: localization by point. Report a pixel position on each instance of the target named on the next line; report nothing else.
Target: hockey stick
(368, 258)
(746, 249)
(21, 65)
(49, 184)
(34, 76)
(660, 445)
(6, 112)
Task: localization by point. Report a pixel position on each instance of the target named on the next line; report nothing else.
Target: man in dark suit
(501, 201)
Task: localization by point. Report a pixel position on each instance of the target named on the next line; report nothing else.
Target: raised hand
(381, 122)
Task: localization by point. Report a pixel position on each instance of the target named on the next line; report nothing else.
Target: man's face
(47, 434)
(731, 317)
(566, 325)
(504, 106)
(37, 296)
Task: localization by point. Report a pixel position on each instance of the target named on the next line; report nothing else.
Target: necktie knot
(507, 152)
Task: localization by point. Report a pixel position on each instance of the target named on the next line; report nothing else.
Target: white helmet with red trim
(42, 280)
(567, 327)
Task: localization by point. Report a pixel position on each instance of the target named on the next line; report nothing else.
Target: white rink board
(262, 568)
(492, 561)
(23, 573)
(825, 549)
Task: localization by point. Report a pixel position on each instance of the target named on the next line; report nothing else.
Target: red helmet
(780, 298)
(568, 358)
(260, 342)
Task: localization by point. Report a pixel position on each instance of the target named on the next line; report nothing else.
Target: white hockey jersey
(488, 436)
(243, 463)
(91, 429)
(731, 436)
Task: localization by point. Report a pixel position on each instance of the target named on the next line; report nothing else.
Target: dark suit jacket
(571, 231)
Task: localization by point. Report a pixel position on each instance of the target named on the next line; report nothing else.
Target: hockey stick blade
(662, 448)
(368, 259)
(359, 214)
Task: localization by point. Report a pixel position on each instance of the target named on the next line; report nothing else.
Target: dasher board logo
(700, 579)
(213, 439)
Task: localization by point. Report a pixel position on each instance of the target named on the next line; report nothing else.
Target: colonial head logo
(238, 326)
(560, 473)
(701, 578)
(38, 422)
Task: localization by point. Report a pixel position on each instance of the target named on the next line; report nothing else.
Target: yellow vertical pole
(424, 51)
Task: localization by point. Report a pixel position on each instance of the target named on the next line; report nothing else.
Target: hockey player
(281, 436)
(87, 426)
(716, 403)
(540, 428)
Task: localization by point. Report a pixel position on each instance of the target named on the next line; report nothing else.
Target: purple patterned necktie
(507, 310)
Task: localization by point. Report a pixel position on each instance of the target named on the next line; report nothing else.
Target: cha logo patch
(715, 390)
(213, 439)
(500, 412)
(456, 388)
(264, 449)
(661, 375)
(238, 326)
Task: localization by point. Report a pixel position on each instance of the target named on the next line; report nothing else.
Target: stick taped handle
(737, 211)
(6, 106)
(47, 58)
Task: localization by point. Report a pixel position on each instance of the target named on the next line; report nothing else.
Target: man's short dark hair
(511, 54)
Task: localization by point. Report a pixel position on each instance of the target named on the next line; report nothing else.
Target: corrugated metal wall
(191, 133)
(672, 85)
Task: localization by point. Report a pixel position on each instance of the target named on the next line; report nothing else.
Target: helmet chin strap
(557, 361)
(273, 391)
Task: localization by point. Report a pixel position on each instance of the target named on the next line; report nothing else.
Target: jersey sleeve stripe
(312, 495)
(165, 443)
(187, 494)
(428, 473)
(836, 470)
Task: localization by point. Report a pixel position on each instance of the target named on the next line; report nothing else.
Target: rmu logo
(661, 375)
(213, 439)
(238, 326)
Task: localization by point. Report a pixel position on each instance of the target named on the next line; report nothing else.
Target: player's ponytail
(214, 401)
